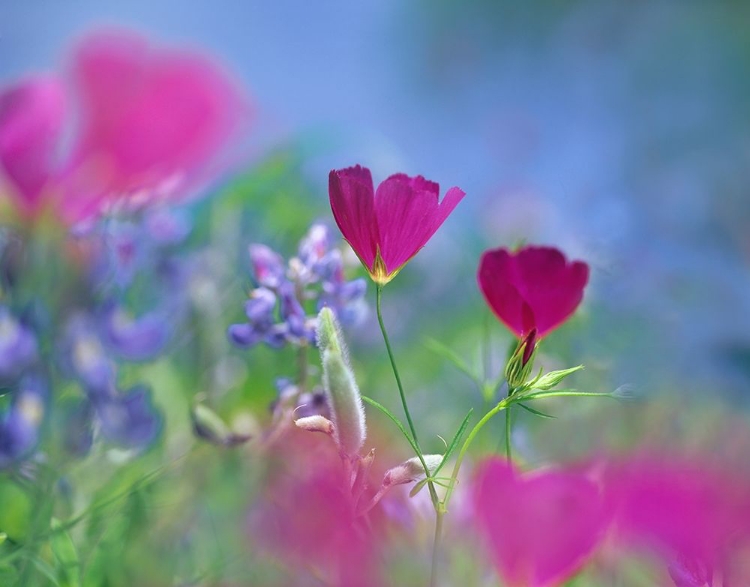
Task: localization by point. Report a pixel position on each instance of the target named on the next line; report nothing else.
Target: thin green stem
(440, 512)
(400, 386)
(508, 424)
(474, 431)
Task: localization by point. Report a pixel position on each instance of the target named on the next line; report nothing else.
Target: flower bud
(328, 335)
(347, 412)
(411, 470)
(316, 423)
(521, 362)
(209, 426)
(553, 378)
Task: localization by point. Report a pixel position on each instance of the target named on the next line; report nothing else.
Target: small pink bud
(315, 423)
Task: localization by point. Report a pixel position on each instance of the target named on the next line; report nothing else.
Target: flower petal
(31, 119)
(408, 215)
(351, 194)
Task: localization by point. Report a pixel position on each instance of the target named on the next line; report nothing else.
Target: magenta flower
(534, 288)
(539, 527)
(151, 124)
(388, 227)
(685, 509)
(31, 119)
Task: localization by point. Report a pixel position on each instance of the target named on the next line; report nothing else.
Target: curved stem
(400, 386)
(474, 431)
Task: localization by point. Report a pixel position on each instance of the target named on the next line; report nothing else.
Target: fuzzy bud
(328, 334)
(411, 470)
(345, 402)
(315, 423)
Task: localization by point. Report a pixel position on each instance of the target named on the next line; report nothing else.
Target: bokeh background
(617, 131)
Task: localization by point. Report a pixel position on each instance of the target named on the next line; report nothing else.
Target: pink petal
(540, 527)
(408, 215)
(31, 119)
(679, 506)
(351, 193)
(534, 287)
(149, 116)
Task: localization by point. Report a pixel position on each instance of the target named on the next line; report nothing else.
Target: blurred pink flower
(388, 227)
(151, 124)
(308, 521)
(31, 119)
(532, 288)
(540, 527)
(689, 511)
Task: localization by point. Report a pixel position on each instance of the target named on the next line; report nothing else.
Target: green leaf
(46, 570)
(536, 412)
(454, 443)
(439, 348)
(395, 420)
(65, 553)
(418, 486)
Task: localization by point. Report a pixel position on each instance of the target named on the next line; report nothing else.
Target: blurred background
(616, 131)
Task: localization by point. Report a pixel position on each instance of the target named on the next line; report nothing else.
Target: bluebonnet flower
(18, 346)
(20, 424)
(134, 339)
(276, 310)
(128, 418)
(84, 357)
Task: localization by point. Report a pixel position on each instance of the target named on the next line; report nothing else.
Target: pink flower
(532, 288)
(539, 527)
(682, 508)
(307, 521)
(152, 123)
(31, 119)
(388, 227)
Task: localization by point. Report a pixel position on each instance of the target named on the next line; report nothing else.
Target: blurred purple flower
(84, 357)
(19, 426)
(77, 425)
(18, 346)
(134, 339)
(129, 418)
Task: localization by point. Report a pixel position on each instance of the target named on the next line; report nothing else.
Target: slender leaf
(395, 420)
(536, 412)
(454, 443)
(418, 487)
(439, 348)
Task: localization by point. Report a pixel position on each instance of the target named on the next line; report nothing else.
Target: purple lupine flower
(19, 426)
(346, 299)
(129, 418)
(134, 339)
(268, 266)
(18, 346)
(84, 355)
(259, 310)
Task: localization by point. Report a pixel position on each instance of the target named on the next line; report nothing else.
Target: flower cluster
(276, 309)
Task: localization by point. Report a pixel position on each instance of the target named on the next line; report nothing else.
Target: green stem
(440, 512)
(508, 448)
(474, 431)
(413, 431)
